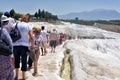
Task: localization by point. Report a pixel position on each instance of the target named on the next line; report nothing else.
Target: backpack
(15, 33)
(4, 46)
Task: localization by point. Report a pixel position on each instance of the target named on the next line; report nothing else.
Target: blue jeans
(20, 52)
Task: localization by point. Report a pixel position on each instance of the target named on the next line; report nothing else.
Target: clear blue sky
(58, 7)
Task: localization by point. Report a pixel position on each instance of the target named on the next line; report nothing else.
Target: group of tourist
(33, 39)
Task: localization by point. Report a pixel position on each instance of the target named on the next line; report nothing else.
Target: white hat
(4, 18)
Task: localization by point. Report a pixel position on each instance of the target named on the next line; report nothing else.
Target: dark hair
(42, 27)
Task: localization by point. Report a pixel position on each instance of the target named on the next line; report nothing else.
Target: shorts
(53, 43)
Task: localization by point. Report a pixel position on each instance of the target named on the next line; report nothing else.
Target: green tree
(17, 16)
(12, 12)
(43, 14)
(54, 17)
(39, 13)
(36, 15)
(1, 14)
(47, 15)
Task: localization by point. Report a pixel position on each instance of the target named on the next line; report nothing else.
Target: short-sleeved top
(37, 41)
(44, 35)
(24, 29)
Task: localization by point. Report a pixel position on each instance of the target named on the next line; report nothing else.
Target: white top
(37, 41)
(24, 29)
(10, 24)
(44, 35)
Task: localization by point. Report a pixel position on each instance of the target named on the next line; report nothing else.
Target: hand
(45, 51)
(13, 62)
(32, 47)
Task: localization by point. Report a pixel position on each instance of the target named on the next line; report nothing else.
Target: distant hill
(98, 14)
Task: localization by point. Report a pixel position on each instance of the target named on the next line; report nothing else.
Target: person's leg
(42, 51)
(51, 44)
(6, 69)
(51, 49)
(54, 46)
(54, 49)
(10, 73)
(45, 44)
(24, 75)
(17, 60)
(30, 63)
(36, 62)
(4, 73)
(24, 61)
(37, 58)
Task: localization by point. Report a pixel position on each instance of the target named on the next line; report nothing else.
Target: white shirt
(24, 29)
(37, 41)
(44, 35)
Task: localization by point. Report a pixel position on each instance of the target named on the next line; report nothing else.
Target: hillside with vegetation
(38, 15)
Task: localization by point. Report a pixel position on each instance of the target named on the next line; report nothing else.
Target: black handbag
(15, 34)
(4, 47)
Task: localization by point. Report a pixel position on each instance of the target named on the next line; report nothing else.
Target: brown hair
(25, 18)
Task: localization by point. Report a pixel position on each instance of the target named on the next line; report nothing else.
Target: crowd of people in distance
(33, 39)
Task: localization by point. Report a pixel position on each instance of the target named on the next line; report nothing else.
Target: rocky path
(48, 66)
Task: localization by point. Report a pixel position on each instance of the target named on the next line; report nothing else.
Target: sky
(58, 7)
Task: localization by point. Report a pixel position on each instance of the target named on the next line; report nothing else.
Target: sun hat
(4, 18)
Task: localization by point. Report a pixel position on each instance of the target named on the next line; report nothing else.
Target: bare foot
(25, 78)
(35, 74)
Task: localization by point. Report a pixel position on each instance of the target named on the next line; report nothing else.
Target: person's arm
(44, 47)
(31, 39)
(47, 36)
(7, 38)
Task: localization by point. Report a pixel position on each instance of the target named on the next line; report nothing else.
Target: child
(38, 41)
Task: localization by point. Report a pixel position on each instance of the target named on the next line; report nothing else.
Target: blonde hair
(36, 30)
